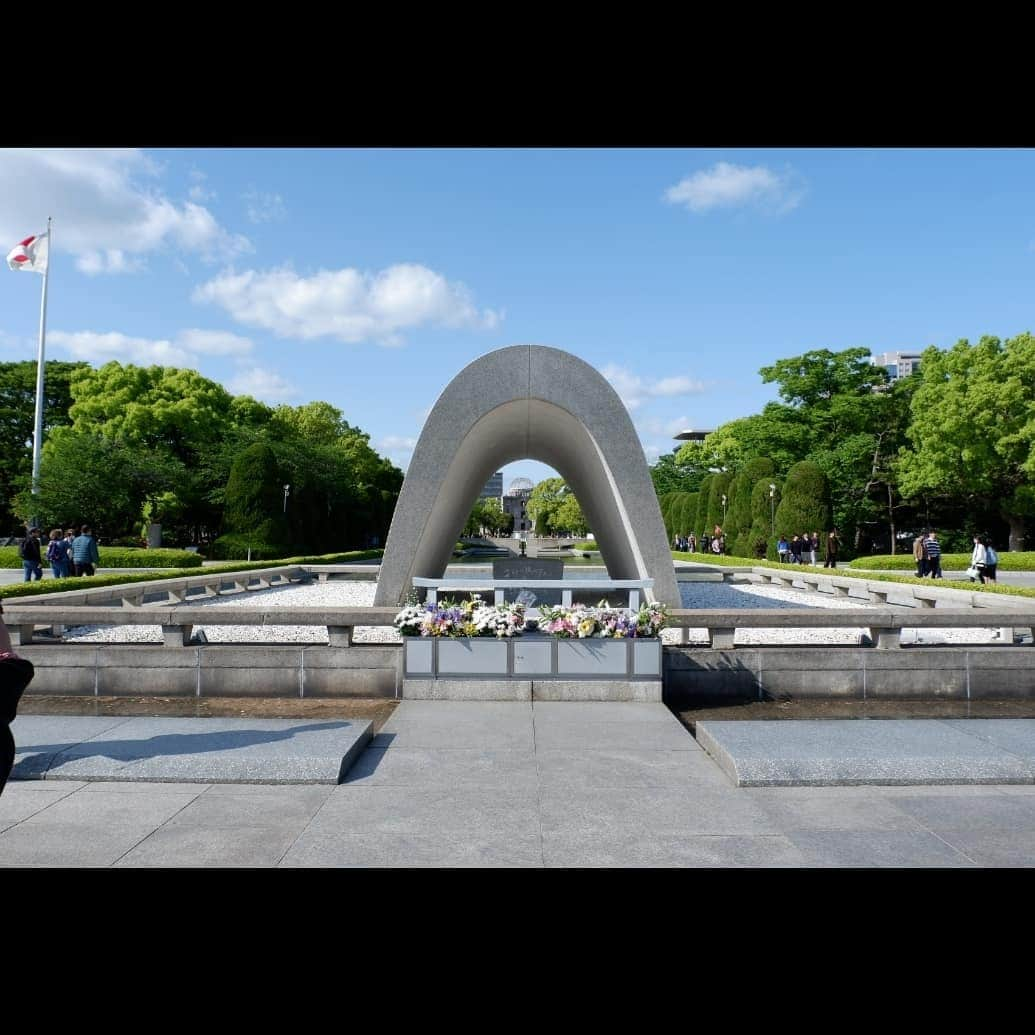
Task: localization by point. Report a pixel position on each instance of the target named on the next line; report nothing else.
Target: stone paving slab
(214, 750)
(861, 751)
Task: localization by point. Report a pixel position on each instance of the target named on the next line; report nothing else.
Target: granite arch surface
(536, 402)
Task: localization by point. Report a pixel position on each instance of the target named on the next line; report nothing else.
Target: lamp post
(287, 492)
(772, 507)
(724, 512)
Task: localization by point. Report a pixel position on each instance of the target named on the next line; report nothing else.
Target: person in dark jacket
(833, 545)
(84, 552)
(796, 545)
(30, 552)
(933, 553)
(15, 675)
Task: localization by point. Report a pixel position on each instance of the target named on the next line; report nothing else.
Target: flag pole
(37, 438)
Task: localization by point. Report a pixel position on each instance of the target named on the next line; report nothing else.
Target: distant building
(897, 364)
(515, 503)
(493, 487)
(692, 436)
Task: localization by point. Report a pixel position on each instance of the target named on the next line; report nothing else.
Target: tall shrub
(761, 534)
(254, 500)
(739, 517)
(718, 488)
(805, 506)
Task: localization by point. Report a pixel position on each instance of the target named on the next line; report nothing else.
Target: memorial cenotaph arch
(535, 402)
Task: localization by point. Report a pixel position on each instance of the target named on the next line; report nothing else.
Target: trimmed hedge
(976, 587)
(33, 589)
(1019, 561)
(115, 557)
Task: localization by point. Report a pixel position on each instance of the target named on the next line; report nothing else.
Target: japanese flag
(30, 254)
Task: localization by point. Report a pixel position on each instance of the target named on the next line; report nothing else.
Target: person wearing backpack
(991, 561)
(30, 551)
(57, 554)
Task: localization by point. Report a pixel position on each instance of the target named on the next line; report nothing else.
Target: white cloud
(729, 186)
(347, 304)
(264, 208)
(652, 452)
(215, 343)
(634, 389)
(186, 350)
(265, 385)
(100, 348)
(667, 428)
(107, 209)
(198, 191)
(406, 443)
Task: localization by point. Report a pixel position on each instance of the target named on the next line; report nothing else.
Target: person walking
(933, 553)
(833, 546)
(692, 542)
(978, 561)
(991, 560)
(919, 556)
(85, 555)
(796, 550)
(813, 547)
(783, 549)
(57, 554)
(68, 540)
(30, 552)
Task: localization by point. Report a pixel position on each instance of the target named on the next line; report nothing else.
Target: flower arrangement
(467, 618)
(603, 622)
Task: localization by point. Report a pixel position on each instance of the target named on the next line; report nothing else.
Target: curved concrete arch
(544, 404)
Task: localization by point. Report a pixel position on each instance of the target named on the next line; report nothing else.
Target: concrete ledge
(825, 753)
(467, 689)
(854, 673)
(188, 750)
(596, 690)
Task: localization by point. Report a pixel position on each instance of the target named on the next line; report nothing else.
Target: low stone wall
(142, 670)
(850, 673)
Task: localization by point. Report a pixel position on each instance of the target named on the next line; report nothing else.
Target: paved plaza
(540, 784)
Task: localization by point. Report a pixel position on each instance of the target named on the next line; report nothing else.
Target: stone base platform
(148, 750)
(532, 690)
(823, 753)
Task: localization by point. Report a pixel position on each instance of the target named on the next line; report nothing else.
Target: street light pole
(772, 507)
(287, 492)
(724, 512)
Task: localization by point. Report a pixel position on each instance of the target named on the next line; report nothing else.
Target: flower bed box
(472, 657)
(532, 657)
(592, 658)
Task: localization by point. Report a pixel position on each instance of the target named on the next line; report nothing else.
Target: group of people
(710, 543)
(804, 548)
(67, 553)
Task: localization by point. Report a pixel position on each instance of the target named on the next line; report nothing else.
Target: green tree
(254, 508)
(89, 479)
(805, 503)
(973, 428)
(739, 517)
(669, 475)
(700, 514)
(543, 503)
(718, 488)
(765, 498)
(18, 418)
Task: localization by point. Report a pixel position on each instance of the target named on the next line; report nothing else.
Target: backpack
(55, 551)
(991, 556)
(25, 543)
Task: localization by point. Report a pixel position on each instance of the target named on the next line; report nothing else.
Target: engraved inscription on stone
(530, 569)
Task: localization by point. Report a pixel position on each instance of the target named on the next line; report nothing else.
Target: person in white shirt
(979, 560)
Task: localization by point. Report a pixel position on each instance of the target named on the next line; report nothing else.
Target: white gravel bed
(361, 594)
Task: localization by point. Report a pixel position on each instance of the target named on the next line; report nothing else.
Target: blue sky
(369, 278)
